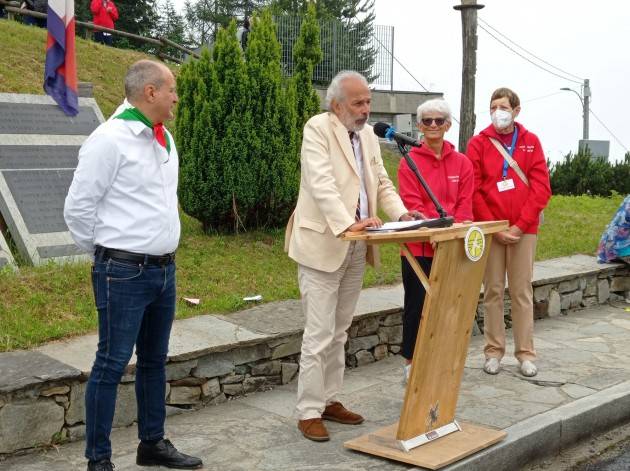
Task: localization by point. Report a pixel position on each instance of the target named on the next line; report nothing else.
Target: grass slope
(22, 64)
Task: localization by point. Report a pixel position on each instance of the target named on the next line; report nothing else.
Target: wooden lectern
(428, 414)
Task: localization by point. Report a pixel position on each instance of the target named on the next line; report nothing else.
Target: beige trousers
(328, 301)
(518, 262)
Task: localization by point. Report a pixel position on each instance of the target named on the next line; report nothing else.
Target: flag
(60, 74)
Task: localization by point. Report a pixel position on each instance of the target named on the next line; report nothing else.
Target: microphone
(386, 131)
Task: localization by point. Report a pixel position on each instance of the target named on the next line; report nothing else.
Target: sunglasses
(429, 121)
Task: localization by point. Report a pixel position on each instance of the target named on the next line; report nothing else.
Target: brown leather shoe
(338, 413)
(314, 429)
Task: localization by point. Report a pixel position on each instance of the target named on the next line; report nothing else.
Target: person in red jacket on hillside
(449, 174)
(511, 182)
(104, 13)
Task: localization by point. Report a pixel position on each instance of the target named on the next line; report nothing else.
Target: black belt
(139, 258)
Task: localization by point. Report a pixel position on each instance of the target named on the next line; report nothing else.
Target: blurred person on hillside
(40, 6)
(242, 34)
(614, 244)
(449, 174)
(104, 14)
(511, 183)
(122, 207)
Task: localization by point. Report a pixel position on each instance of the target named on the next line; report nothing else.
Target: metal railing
(345, 46)
(160, 44)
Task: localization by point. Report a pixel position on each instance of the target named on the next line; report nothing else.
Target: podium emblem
(474, 243)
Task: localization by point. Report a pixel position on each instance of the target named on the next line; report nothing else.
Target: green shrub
(581, 174)
(238, 130)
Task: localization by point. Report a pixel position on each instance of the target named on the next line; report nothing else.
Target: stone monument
(39, 148)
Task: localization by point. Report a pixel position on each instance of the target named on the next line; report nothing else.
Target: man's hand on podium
(363, 223)
(412, 216)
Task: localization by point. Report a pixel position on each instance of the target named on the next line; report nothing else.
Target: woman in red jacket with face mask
(104, 13)
(449, 174)
(517, 193)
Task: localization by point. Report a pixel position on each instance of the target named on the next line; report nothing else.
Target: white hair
(437, 105)
(335, 90)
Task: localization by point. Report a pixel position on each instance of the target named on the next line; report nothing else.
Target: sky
(585, 39)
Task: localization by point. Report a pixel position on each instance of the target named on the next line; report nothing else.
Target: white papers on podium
(396, 226)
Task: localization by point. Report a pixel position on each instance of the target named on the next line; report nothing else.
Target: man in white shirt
(122, 206)
(342, 185)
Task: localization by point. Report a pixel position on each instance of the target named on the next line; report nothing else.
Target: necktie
(357, 213)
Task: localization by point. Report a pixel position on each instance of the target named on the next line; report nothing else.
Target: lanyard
(510, 151)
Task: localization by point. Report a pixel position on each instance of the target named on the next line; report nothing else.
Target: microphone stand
(444, 220)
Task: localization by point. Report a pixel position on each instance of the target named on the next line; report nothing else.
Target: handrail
(160, 42)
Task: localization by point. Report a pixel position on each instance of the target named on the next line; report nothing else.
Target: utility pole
(468, 9)
(586, 93)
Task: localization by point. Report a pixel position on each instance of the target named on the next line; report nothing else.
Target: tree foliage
(581, 174)
(170, 23)
(237, 132)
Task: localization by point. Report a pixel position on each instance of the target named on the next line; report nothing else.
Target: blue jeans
(136, 306)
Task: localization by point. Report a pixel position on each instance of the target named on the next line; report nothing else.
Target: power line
(391, 53)
(529, 52)
(526, 58)
(609, 131)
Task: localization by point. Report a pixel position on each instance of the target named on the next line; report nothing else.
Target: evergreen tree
(351, 24)
(170, 23)
(307, 54)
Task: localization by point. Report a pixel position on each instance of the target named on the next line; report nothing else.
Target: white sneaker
(406, 373)
(528, 369)
(492, 366)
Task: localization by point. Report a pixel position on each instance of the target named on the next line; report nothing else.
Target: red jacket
(102, 17)
(522, 205)
(451, 180)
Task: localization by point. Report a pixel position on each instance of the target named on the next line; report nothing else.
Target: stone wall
(52, 411)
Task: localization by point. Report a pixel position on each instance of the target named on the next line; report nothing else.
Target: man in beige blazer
(342, 185)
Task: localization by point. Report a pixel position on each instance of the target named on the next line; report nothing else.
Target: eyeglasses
(429, 121)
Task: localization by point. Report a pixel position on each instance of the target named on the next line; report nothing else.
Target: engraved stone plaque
(39, 147)
(31, 118)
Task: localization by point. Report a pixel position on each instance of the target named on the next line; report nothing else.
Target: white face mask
(501, 119)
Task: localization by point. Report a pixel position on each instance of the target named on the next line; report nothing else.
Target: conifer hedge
(239, 125)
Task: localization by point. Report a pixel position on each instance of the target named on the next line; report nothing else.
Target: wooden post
(468, 9)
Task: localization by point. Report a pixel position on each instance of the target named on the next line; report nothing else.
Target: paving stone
(390, 334)
(393, 319)
(182, 395)
(364, 357)
(380, 352)
(76, 409)
(211, 388)
(577, 391)
(232, 379)
(367, 326)
(555, 306)
(233, 389)
(620, 283)
(569, 285)
(288, 372)
(22, 369)
(179, 369)
(290, 347)
(267, 368)
(221, 363)
(362, 343)
(603, 291)
(76, 432)
(24, 425)
(541, 293)
(55, 391)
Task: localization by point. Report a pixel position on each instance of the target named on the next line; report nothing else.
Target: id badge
(505, 185)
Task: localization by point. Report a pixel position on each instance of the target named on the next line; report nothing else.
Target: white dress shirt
(124, 191)
(358, 157)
